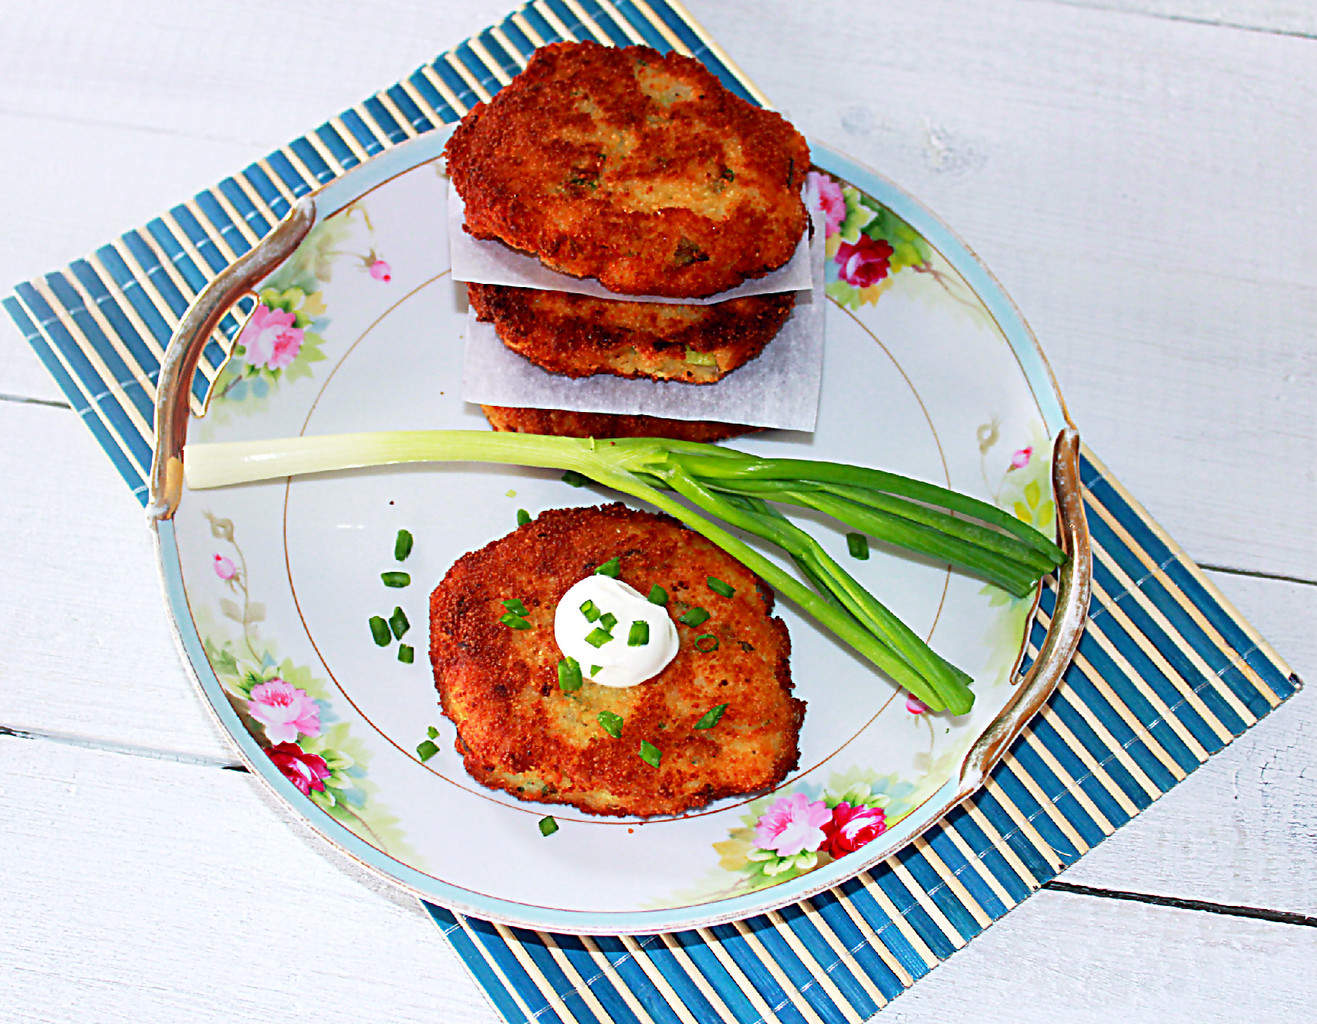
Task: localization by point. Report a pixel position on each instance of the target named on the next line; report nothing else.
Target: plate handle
(1074, 586)
(189, 340)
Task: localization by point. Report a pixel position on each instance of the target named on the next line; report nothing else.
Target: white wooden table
(1138, 173)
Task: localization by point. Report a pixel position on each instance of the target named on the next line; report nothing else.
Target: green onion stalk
(728, 489)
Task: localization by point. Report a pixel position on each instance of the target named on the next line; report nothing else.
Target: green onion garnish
(649, 753)
(719, 587)
(595, 670)
(609, 568)
(607, 621)
(598, 637)
(432, 732)
(694, 617)
(858, 545)
(398, 623)
(379, 630)
(548, 826)
(590, 611)
(402, 545)
(569, 674)
(611, 723)
(706, 643)
(700, 358)
(523, 517)
(574, 478)
(426, 750)
(396, 579)
(514, 605)
(406, 653)
(710, 718)
(658, 596)
(514, 621)
(639, 634)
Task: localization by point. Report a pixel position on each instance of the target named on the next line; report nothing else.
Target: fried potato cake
(633, 167)
(568, 423)
(579, 335)
(517, 730)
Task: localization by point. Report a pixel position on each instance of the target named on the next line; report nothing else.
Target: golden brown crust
(518, 731)
(568, 423)
(633, 167)
(579, 335)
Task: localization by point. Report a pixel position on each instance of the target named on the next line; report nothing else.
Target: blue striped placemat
(1167, 672)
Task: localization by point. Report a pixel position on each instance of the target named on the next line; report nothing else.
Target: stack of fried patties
(640, 170)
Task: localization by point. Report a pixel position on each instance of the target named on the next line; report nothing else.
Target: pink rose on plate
(224, 567)
(303, 770)
(852, 827)
(794, 823)
(831, 201)
(284, 710)
(270, 338)
(1021, 458)
(380, 270)
(865, 263)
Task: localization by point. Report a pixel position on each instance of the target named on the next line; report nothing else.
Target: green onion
(700, 358)
(693, 617)
(523, 517)
(609, 568)
(574, 479)
(649, 753)
(658, 596)
(639, 634)
(706, 643)
(611, 723)
(548, 826)
(589, 610)
(514, 605)
(858, 545)
(595, 670)
(426, 750)
(710, 718)
(514, 621)
(396, 579)
(569, 674)
(719, 587)
(432, 732)
(607, 621)
(379, 630)
(402, 545)
(398, 623)
(598, 637)
(406, 653)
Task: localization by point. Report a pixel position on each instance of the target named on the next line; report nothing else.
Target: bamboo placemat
(1167, 672)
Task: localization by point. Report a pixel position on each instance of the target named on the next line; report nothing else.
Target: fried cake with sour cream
(518, 731)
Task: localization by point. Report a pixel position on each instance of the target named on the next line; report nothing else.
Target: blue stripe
(755, 970)
(634, 977)
(605, 21)
(105, 301)
(614, 1006)
(938, 891)
(203, 243)
(518, 38)
(288, 174)
(364, 137)
(824, 955)
(1014, 789)
(421, 83)
(1087, 781)
(857, 944)
(336, 145)
(1106, 759)
(251, 214)
(717, 976)
(223, 223)
(907, 906)
(384, 121)
(652, 36)
(313, 161)
(992, 859)
(1038, 868)
(488, 937)
(572, 22)
(476, 964)
(542, 28)
(468, 58)
(455, 83)
(967, 874)
(500, 54)
(133, 290)
(267, 189)
(418, 118)
(1031, 764)
(801, 976)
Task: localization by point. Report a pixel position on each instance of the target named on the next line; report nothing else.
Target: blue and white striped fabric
(1167, 672)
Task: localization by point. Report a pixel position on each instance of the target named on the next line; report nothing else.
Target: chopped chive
(398, 623)
(650, 754)
(574, 478)
(598, 637)
(658, 596)
(523, 517)
(694, 617)
(700, 358)
(706, 643)
(402, 545)
(514, 605)
(569, 674)
(379, 629)
(607, 621)
(406, 653)
(548, 826)
(858, 545)
(611, 723)
(710, 717)
(396, 579)
(432, 732)
(514, 621)
(589, 610)
(639, 635)
(595, 670)
(426, 750)
(719, 587)
(609, 568)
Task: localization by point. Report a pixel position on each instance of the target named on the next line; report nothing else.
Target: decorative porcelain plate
(928, 371)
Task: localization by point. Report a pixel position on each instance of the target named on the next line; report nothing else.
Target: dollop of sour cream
(620, 663)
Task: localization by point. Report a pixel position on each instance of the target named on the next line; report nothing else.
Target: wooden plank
(1289, 16)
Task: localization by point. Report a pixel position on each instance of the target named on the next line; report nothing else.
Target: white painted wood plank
(1293, 16)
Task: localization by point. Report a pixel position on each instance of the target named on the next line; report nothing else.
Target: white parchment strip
(778, 389)
(487, 262)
